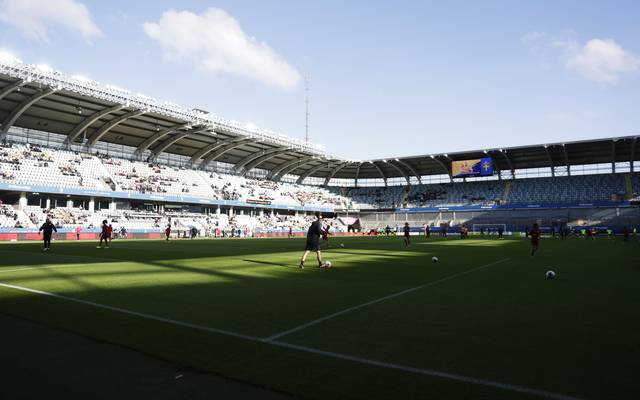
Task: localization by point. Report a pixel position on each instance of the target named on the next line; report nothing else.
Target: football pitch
(384, 322)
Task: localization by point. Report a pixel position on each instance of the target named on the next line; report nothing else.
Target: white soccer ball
(434, 259)
(550, 275)
(327, 264)
(341, 244)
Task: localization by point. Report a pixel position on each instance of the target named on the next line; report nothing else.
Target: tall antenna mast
(306, 103)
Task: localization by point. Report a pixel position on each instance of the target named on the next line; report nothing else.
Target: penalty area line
(379, 300)
(310, 350)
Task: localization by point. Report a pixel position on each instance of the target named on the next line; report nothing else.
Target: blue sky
(388, 78)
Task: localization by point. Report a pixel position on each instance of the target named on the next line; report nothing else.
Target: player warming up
(406, 229)
(325, 236)
(167, 232)
(47, 230)
(535, 238)
(313, 242)
(104, 235)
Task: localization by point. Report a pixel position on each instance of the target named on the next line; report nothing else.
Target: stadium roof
(35, 97)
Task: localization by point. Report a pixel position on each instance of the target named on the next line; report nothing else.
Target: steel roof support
(247, 160)
(111, 124)
(410, 168)
(11, 87)
(167, 143)
(613, 156)
(334, 171)
(21, 108)
(221, 150)
(157, 136)
(553, 168)
(444, 167)
(380, 172)
(313, 170)
(566, 159)
(209, 148)
(402, 172)
(355, 180)
(508, 160)
(283, 169)
(633, 154)
(87, 122)
(253, 160)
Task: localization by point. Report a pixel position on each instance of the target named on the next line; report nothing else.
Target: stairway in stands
(405, 194)
(628, 186)
(505, 193)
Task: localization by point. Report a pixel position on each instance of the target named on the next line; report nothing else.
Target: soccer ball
(434, 259)
(341, 244)
(550, 275)
(327, 264)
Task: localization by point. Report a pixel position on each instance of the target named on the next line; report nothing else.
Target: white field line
(43, 267)
(311, 350)
(378, 300)
(129, 312)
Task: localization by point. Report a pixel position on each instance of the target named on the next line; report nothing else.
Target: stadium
(200, 291)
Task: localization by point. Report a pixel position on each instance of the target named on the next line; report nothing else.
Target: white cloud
(34, 18)
(8, 57)
(599, 60)
(214, 41)
(602, 60)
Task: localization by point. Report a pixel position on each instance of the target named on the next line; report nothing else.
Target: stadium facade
(74, 144)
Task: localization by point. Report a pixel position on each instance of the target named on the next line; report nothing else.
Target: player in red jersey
(167, 232)
(104, 235)
(625, 233)
(535, 238)
(325, 235)
(110, 232)
(406, 229)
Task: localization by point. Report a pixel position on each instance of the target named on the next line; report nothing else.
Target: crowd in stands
(455, 194)
(9, 217)
(35, 165)
(181, 222)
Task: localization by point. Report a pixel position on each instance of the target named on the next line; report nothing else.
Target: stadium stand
(567, 189)
(145, 164)
(456, 194)
(26, 164)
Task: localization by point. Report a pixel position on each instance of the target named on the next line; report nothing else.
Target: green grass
(576, 335)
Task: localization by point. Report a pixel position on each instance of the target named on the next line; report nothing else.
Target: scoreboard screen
(477, 167)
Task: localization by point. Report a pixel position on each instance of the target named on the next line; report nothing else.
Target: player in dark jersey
(104, 235)
(427, 231)
(47, 230)
(313, 242)
(167, 232)
(535, 238)
(406, 229)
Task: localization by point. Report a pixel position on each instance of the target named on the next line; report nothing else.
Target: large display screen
(477, 167)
